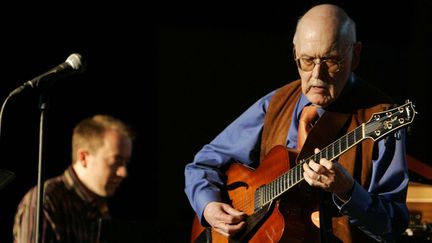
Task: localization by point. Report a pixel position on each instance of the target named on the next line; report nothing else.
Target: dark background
(178, 73)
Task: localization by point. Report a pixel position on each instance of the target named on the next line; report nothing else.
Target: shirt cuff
(356, 204)
(204, 199)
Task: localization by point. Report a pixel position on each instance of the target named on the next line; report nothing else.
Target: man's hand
(224, 218)
(330, 176)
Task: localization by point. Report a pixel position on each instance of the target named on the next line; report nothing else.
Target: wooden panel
(419, 199)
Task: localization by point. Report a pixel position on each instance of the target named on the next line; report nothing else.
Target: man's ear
(357, 48)
(82, 157)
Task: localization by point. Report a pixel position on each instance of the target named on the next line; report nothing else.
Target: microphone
(73, 65)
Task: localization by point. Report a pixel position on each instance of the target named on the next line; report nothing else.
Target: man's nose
(319, 69)
(122, 171)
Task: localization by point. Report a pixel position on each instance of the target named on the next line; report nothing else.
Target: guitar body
(285, 220)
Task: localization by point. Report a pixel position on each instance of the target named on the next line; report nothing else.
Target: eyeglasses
(307, 64)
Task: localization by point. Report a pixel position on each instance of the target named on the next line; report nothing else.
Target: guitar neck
(338, 147)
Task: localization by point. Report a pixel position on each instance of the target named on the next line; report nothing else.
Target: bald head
(325, 23)
(325, 35)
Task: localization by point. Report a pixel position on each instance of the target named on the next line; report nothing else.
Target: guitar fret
(337, 148)
(257, 198)
(347, 139)
(270, 191)
(299, 172)
(279, 186)
(313, 157)
(266, 194)
(317, 157)
(331, 149)
(288, 180)
(284, 178)
(283, 182)
(262, 196)
(291, 177)
(273, 191)
(344, 143)
(359, 134)
(350, 140)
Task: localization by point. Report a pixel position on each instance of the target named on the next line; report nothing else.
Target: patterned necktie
(308, 116)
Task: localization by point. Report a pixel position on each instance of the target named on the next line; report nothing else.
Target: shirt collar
(72, 182)
(303, 102)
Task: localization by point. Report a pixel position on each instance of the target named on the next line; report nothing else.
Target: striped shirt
(71, 213)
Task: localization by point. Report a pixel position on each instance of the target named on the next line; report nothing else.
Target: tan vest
(357, 160)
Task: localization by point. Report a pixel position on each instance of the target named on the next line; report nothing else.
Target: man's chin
(319, 100)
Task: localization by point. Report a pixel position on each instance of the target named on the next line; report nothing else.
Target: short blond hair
(89, 132)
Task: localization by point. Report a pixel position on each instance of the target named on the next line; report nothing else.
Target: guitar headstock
(390, 120)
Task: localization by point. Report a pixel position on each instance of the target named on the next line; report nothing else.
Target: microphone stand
(73, 65)
(43, 107)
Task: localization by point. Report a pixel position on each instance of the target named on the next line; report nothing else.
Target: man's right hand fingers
(232, 211)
